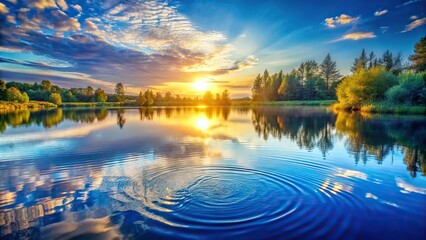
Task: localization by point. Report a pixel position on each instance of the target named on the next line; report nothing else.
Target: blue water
(211, 173)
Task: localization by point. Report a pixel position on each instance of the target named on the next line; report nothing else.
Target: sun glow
(201, 84)
(202, 123)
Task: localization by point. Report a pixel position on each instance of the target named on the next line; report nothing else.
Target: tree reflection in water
(121, 120)
(366, 136)
(308, 127)
(50, 118)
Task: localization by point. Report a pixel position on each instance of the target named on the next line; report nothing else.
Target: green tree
(361, 62)
(158, 97)
(225, 99)
(418, 59)
(141, 99)
(89, 91)
(387, 60)
(257, 89)
(276, 83)
(291, 87)
(308, 69)
(100, 95)
(266, 83)
(55, 98)
(329, 71)
(2, 90)
(13, 94)
(411, 89)
(168, 97)
(24, 98)
(69, 97)
(119, 91)
(46, 85)
(218, 100)
(365, 86)
(149, 96)
(372, 61)
(208, 98)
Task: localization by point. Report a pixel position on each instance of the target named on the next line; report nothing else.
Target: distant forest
(46, 91)
(373, 79)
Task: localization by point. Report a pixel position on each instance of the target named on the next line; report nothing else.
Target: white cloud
(414, 17)
(343, 19)
(358, 36)
(380, 12)
(346, 19)
(77, 8)
(3, 9)
(329, 22)
(91, 27)
(11, 19)
(62, 4)
(41, 4)
(154, 40)
(416, 23)
(13, 1)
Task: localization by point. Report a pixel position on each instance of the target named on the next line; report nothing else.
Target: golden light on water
(201, 85)
(202, 123)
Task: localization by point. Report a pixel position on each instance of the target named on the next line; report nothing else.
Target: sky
(168, 45)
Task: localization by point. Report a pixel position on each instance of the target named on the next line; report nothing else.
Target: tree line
(373, 79)
(46, 91)
(148, 98)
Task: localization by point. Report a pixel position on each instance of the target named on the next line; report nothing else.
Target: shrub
(14, 95)
(411, 89)
(55, 98)
(364, 86)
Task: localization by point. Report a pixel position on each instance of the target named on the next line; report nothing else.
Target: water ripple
(227, 198)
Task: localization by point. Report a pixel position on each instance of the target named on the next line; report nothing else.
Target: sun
(201, 84)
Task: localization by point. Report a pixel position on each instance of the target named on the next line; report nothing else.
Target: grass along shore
(383, 108)
(324, 103)
(12, 106)
(91, 104)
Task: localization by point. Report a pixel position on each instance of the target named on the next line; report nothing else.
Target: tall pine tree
(329, 71)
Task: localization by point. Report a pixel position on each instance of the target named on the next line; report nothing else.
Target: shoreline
(383, 109)
(13, 106)
(329, 104)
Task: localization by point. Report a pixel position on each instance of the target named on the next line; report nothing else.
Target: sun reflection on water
(202, 123)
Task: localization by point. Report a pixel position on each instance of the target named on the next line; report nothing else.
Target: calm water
(185, 173)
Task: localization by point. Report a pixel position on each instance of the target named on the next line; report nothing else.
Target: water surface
(218, 173)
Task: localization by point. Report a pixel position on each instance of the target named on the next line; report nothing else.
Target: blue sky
(167, 45)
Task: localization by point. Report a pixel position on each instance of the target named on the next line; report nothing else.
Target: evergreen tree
(225, 99)
(291, 87)
(257, 88)
(218, 101)
(208, 98)
(361, 62)
(2, 90)
(119, 91)
(329, 71)
(149, 96)
(276, 83)
(266, 82)
(141, 99)
(419, 57)
(387, 60)
(371, 60)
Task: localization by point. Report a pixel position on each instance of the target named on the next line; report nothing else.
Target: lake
(215, 173)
